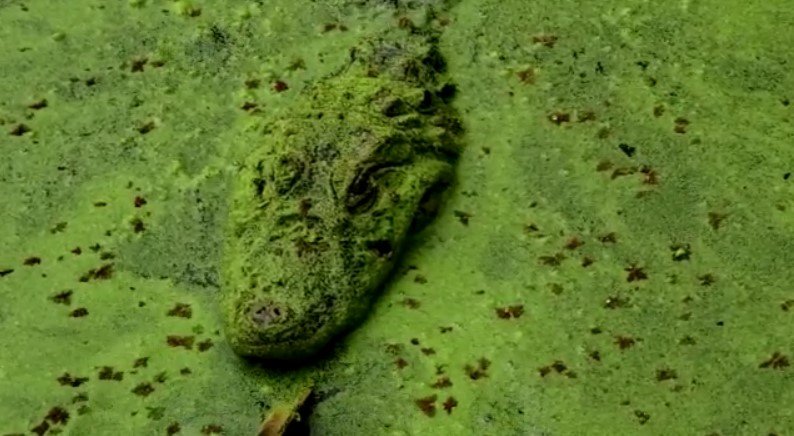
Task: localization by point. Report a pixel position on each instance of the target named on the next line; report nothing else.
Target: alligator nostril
(265, 314)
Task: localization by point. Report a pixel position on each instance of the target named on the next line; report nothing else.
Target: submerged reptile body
(321, 210)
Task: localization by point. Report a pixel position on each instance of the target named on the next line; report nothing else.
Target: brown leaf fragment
(279, 419)
(180, 341)
(19, 130)
(545, 39)
(707, 279)
(146, 127)
(79, 312)
(624, 342)
(252, 83)
(143, 389)
(554, 260)
(623, 171)
(411, 303)
(205, 345)
(108, 373)
(104, 272)
(573, 243)
(516, 311)
(462, 216)
(211, 429)
(137, 64)
(181, 310)
(616, 302)
(427, 405)
(777, 361)
(502, 313)
(635, 273)
(41, 429)
(138, 225)
(38, 104)
(279, 86)
(67, 380)
(608, 238)
(527, 76)
(604, 165)
(716, 219)
(33, 260)
(479, 371)
(666, 374)
(559, 117)
(63, 297)
(173, 429)
(559, 366)
(58, 415)
(441, 383)
(449, 404)
(650, 176)
(427, 351)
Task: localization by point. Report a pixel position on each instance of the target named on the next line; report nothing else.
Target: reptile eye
(362, 193)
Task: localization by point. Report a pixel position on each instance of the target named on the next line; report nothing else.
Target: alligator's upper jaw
(270, 330)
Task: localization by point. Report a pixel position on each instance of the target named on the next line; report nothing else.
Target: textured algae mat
(614, 257)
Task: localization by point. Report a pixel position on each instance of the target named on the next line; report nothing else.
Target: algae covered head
(321, 210)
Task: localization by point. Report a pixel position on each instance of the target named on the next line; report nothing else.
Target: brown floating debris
(510, 312)
(143, 389)
(79, 312)
(19, 130)
(450, 404)
(279, 86)
(559, 117)
(441, 383)
(716, 219)
(681, 125)
(33, 260)
(635, 273)
(777, 361)
(545, 40)
(277, 422)
(527, 76)
(102, 273)
(58, 415)
(427, 405)
(180, 341)
(38, 104)
(63, 297)
(181, 310)
(67, 380)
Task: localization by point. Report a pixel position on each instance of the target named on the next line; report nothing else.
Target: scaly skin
(321, 211)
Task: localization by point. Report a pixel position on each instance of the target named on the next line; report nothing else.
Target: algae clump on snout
(320, 211)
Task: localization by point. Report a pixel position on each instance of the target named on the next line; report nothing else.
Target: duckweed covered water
(613, 257)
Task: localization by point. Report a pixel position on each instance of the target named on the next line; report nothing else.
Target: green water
(613, 259)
